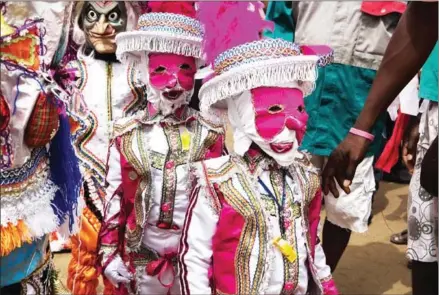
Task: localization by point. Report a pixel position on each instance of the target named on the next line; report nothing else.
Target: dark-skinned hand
(342, 164)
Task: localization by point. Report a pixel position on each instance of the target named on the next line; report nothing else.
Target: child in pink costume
(251, 226)
(149, 173)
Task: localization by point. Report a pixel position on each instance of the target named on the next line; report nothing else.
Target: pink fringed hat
(168, 27)
(241, 60)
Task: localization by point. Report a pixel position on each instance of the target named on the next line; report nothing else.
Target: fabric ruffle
(256, 74)
(83, 276)
(27, 217)
(131, 45)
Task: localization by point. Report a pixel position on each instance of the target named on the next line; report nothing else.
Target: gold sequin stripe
(210, 139)
(158, 160)
(136, 90)
(262, 232)
(81, 74)
(221, 171)
(196, 141)
(292, 268)
(169, 185)
(146, 181)
(310, 184)
(119, 128)
(109, 85)
(86, 156)
(128, 141)
(134, 237)
(146, 255)
(247, 238)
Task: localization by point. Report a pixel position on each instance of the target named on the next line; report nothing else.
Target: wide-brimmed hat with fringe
(168, 27)
(242, 61)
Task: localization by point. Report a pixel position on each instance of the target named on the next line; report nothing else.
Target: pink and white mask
(272, 117)
(170, 81)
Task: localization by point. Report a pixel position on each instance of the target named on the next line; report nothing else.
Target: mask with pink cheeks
(272, 117)
(171, 79)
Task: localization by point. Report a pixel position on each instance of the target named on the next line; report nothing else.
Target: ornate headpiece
(168, 27)
(241, 60)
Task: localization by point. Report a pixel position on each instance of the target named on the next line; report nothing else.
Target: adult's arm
(408, 49)
(411, 44)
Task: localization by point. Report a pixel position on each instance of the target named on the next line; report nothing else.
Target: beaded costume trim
(254, 51)
(238, 190)
(41, 280)
(171, 23)
(132, 137)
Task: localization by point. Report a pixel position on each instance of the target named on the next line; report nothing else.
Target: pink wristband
(362, 133)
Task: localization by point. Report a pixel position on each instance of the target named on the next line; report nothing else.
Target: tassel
(64, 170)
(13, 237)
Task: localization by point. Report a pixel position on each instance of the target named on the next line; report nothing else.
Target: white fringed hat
(253, 63)
(169, 27)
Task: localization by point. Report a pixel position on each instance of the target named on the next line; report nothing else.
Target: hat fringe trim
(243, 78)
(127, 47)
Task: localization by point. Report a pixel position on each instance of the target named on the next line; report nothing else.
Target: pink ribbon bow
(160, 266)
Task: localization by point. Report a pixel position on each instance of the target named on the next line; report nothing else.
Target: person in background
(39, 172)
(108, 90)
(151, 154)
(359, 33)
(251, 226)
(410, 46)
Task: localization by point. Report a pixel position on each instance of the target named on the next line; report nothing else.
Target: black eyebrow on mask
(115, 9)
(89, 7)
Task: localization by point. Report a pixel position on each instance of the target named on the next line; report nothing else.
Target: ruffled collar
(181, 115)
(255, 158)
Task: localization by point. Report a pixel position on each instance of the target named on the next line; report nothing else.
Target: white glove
(116, 272)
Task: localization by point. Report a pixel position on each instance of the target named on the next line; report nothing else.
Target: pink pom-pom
(229, 24)
(178, 7)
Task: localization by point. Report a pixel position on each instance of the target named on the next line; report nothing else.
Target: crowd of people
(113, 142)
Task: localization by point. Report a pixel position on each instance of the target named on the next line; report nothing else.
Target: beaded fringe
(230, 84)
(155, 43)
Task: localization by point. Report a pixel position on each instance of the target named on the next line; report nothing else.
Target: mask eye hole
(274, 109)
(185, 67)
(114, 16)
(159, 70)
(301, 109)
(92, 15)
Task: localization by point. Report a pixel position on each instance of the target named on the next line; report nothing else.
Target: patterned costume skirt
(39, 282)
(423, 207)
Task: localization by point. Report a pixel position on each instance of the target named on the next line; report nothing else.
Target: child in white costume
(251, 226)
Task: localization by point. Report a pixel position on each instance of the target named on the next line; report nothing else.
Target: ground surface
(371, 264)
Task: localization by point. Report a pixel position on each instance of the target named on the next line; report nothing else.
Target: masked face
(171, 79)
(273, 118)
(101, 22)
